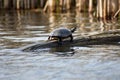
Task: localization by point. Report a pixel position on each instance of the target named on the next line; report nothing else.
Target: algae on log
(109, 37)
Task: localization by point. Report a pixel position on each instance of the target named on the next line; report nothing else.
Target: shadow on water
(62, 51)
(58, 51)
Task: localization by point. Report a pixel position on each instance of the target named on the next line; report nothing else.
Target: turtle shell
(61, 32)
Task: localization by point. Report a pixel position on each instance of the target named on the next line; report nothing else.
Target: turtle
(61, 33)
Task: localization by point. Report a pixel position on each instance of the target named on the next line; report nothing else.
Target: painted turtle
(61, 33)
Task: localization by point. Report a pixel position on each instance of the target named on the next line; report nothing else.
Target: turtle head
(73, 29)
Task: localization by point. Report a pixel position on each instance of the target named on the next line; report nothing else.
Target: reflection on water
(21, 28)
(63, 51)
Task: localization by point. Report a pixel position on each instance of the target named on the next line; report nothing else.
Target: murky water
(18, 29)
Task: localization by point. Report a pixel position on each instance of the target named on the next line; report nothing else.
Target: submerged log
(109, 37)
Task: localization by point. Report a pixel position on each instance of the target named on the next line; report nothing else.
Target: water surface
(18, 29)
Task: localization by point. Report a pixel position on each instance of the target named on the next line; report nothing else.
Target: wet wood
(109, 37)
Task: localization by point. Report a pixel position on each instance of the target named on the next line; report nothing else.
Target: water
(18, 29)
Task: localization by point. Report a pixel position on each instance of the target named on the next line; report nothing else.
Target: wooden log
(101, 38)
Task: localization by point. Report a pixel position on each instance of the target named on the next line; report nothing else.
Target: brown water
(18, 29)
